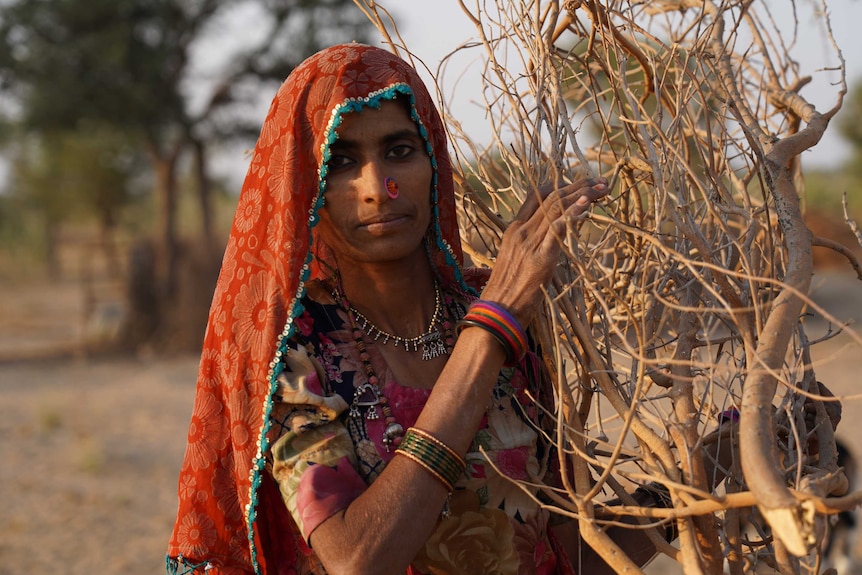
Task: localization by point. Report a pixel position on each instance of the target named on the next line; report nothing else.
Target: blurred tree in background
(86, 174)
(826, 189)
(101, 99)
(851, 130)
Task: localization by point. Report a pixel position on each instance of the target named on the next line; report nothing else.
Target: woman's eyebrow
(403, 134)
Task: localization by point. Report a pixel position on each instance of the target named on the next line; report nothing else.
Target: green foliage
(850, 129)
(128, 63)
(22, 241)
(825, 189)
(68, 175)
(102, 59)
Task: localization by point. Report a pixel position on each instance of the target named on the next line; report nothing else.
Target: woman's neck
(397, 298)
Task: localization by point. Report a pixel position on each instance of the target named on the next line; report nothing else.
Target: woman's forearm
(383, 529)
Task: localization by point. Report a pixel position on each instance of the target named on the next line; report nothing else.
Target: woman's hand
(531, 246)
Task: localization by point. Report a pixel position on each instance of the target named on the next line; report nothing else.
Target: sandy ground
(90, 454)
(90, 450)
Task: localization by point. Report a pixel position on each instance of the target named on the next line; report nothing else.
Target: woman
(353, 409)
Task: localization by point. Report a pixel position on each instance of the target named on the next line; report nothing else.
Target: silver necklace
(431, 339)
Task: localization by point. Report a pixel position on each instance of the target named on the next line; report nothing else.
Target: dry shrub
(681, 295)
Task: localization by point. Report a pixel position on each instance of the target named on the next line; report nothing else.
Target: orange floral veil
(231, 518)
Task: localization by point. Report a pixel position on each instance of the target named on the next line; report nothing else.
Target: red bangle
(495, 319)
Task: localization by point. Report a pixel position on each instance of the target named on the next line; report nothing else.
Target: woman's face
(360, 221)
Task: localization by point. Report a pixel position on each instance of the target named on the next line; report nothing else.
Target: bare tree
(683, 295)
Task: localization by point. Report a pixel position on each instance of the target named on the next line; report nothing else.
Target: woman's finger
(592, 187)
(572, 202)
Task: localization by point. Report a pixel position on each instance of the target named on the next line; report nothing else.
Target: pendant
(392, 435)
(432, 346)
(366, 395)
(446, 512)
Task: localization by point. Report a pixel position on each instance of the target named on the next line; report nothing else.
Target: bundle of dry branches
(684, 294)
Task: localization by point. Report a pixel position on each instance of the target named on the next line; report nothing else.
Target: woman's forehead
(390, 118)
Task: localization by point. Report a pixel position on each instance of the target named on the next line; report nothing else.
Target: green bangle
(435, 456)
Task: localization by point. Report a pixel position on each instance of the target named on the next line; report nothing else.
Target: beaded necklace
(369, 395)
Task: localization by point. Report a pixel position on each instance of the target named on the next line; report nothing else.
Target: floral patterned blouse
(323, 458)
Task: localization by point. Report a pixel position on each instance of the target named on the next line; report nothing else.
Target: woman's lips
(384, 223)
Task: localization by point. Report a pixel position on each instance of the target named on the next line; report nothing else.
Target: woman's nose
(373, 186)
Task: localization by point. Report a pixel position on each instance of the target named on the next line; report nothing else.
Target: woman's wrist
(519, 302)
(495, 319)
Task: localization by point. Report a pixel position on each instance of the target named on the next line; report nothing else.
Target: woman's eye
(400, 151)
(338, 162)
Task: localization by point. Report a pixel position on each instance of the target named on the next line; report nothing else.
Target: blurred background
(124, 129)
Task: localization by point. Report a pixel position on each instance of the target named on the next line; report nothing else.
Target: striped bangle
(435, 456)
(495, 319)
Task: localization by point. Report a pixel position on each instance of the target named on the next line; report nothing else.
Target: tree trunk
(204, 194)
(52, 262)
(166, 214)
(107, 240)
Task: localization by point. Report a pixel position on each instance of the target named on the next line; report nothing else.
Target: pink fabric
(324, 491)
